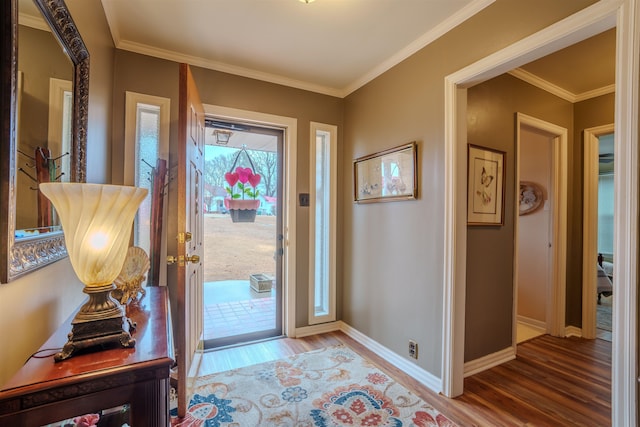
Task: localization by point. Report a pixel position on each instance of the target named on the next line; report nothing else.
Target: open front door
(190, 235)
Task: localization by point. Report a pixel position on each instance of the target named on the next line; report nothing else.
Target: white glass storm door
(242, 256)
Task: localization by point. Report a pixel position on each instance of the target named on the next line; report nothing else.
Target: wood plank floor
(552, 382)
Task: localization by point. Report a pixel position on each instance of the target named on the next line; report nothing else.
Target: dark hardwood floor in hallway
(552, 382)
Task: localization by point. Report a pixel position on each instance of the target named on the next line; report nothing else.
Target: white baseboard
(538, 325)
(572, 331)
(489, 361)
(322, 328)
(421, 375)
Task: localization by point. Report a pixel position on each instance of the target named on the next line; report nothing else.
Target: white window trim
(57, 89)
(132, 99)
(333, 166)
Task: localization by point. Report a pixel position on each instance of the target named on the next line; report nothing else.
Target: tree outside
(234, 251)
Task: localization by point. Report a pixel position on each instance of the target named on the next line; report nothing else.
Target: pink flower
(254, 180)
(89, 420)
(243, 174)
(231, 178)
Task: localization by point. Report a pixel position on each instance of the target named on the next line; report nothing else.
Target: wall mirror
(43, 116)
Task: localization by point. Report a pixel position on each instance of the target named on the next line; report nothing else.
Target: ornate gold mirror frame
(19, 257)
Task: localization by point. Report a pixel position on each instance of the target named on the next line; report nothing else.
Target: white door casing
(625, 16)
(590, 228)
(290, 126)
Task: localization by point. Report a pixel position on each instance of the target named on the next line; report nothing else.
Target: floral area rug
(330, 387)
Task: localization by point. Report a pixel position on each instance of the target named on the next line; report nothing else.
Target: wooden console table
(44, 392)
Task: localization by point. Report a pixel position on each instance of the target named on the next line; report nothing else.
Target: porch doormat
(330, 387)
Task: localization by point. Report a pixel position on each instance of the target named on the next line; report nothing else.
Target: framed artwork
(485, 189)
(386, 176)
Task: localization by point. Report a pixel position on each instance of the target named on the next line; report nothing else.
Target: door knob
(184, 237)
(181, 260)
(192, 259)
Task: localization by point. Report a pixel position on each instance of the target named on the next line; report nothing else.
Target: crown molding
(596, 92)
(557, 90)
(225, 68)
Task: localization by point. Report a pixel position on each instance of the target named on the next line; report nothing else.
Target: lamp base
(100, 321)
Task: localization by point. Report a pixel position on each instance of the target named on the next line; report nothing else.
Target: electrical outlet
(413, 349)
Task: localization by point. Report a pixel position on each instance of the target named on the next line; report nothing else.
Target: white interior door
(190, 233)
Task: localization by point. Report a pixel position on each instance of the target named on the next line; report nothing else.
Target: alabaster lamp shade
(96, 220)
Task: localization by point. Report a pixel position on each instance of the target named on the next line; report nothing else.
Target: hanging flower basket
(242, 210)
(242, 182)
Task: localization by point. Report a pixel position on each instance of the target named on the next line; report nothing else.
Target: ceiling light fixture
(307, 1)
(222, 136)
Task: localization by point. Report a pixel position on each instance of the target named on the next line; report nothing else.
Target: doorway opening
(540, 231)
(243, 237)
(606, 172)
(598, 226)
(578, 26)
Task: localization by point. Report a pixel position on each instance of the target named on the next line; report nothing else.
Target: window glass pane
(322, 231)
(147, 143)
(67, 126)
(605, 214)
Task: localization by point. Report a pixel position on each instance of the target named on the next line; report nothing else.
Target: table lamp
(96, 220)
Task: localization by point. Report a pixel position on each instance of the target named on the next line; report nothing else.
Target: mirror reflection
(44, 110)
(44, 117)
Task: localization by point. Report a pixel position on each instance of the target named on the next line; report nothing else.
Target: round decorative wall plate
(531, 197)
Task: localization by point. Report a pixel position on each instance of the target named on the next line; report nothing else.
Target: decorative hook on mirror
(24, 248)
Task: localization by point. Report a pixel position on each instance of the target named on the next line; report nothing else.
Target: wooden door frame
(590, 227)
(290, 126)
(625, 16)
(556, 294)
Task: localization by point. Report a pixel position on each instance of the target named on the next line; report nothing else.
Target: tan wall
(143, 74)
(32, 307)
(392, 277)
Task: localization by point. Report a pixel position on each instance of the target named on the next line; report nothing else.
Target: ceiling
(327, 46)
